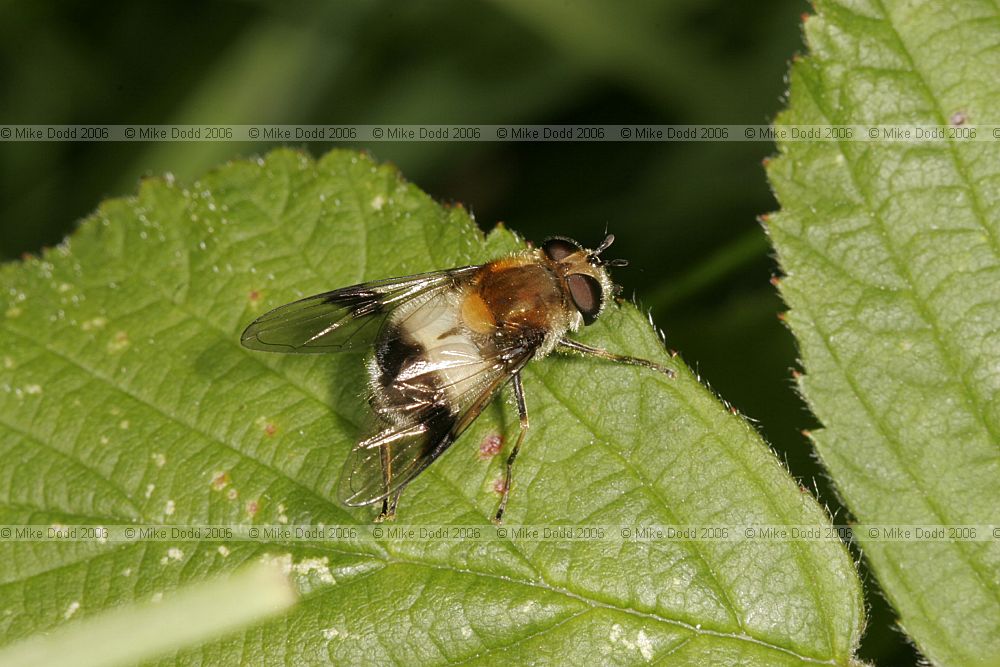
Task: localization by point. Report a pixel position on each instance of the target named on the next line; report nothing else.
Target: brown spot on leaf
(220, 480)
(490, 446)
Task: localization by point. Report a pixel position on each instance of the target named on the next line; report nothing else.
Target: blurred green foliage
(684, 213)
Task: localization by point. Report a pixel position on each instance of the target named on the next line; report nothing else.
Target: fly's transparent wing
(424, 415)
(342, 319)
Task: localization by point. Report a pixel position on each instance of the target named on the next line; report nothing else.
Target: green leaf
(892, 256)
(126, 397)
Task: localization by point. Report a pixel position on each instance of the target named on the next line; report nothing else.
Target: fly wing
(342, 319)
(431, 405)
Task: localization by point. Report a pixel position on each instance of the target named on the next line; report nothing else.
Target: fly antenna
(608, 240)
(595, 256)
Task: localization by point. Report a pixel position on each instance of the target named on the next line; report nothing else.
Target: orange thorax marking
(476, 314)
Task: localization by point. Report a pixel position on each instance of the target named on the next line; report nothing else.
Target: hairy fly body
(443, 345)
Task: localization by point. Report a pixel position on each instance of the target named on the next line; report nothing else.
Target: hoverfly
(443, 345)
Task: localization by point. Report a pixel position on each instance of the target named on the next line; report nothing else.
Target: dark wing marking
(424, 428)
(342, 319)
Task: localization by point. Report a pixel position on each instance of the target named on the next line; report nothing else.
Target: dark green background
(684, 213)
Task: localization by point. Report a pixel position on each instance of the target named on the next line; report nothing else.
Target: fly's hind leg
(522, 412)
(573, 345)
(388, 512)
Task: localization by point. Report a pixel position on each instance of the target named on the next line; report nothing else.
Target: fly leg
(522, 412)
(389, 507)
(388, 512)
(573, 345)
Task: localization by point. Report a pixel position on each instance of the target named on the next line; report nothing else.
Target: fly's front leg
(522, 412)
(573, 345)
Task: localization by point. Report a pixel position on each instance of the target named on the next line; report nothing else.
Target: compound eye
(560, 248)
(587, 295)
